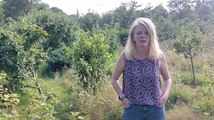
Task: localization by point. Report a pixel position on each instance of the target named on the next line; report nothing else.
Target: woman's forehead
(140, 27)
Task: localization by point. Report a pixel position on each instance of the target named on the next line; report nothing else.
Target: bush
(89, 55)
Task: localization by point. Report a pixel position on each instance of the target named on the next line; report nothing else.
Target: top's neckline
(141, 58)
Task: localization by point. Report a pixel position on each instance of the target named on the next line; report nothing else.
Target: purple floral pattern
(141, 81)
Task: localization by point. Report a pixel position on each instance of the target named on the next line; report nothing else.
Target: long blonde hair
(154, 49)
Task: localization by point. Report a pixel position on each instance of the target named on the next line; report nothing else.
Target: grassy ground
(186, 102)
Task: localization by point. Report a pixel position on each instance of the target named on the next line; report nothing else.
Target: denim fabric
(143, 112)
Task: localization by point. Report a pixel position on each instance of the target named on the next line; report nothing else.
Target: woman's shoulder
(122, 56)
(161, 54)
(161, 57)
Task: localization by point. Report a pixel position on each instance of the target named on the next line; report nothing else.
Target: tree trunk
(193, 70)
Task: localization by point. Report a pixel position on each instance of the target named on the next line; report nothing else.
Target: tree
(205, 11)
(125, 14)
(163, 23)
(180, 5)
(20, 52)
(182, 9)
(189, 43)
(16, 8)
(61, 33)
(107, 19)
(89, 21)
(56, 9)
(159, 11)
(89, 55)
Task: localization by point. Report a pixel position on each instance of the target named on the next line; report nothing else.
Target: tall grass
(184, 102)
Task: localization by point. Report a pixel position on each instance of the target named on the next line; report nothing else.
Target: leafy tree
(89, 56)
(125, 14)
(107, 19)
(56, 9)
(205, 11)
(20, 52)
(163, 23)
(41, 6)
(159, 11)
(16, 8)
(190, 44)
(61, 33)
(145, 12)
(89, 21)
(180, 5)
(182, 9)
(111, 37)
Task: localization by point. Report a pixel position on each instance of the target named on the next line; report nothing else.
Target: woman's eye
(146, 33)
(139, 33)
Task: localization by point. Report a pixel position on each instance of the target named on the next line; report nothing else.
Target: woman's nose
(143, 34)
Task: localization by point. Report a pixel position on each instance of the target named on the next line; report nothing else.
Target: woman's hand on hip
(161, 102)
(126, 103)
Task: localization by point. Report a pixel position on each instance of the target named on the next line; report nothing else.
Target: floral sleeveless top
(141, 81)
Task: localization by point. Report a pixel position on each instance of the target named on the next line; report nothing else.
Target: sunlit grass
(183, 112)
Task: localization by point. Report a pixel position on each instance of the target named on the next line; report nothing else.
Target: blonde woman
(142, 63)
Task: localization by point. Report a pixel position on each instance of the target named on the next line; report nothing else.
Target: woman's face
(141, 36)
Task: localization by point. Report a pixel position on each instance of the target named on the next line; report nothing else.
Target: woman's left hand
(161, 102)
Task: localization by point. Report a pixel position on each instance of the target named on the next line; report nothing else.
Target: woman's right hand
(126, 103)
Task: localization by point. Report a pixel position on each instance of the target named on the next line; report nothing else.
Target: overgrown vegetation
(58, 66)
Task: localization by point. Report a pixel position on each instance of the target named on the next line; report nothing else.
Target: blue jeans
(143, 112)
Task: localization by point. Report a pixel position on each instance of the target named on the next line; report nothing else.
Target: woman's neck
(142, 52)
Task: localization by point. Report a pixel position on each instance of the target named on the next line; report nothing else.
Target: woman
(142, 63)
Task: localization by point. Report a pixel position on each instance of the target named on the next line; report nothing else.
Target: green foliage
(20, 51)
(181, 9)
(190, 44)
(111, 37)
(57, 10)
(7, 103)
(178, 94)
(205, 96)
(205, 105)
(106, 19)
(3, 76)
(65, 89)
(123, 36)
(102, 106)
(35, 104)
(112, 42)
(44, 31)
(61, 31)
(15, 9)
(7, 100)
(205, 10)
(89, 55)
(165, 27)
(207, 88)
(2, 15)
(89, 21)
(163, 23)
(125, 14)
